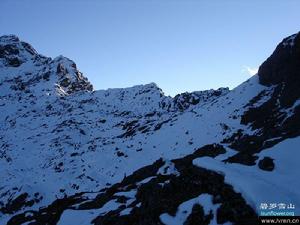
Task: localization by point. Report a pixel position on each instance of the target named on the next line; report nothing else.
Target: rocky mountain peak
(9, 39)
(27, 71)
(70, 79)
(282, 69)
(14, 52)
(284, 64)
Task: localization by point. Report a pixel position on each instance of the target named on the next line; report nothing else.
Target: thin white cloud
(251, 71)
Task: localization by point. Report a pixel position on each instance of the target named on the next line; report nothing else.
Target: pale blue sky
(180, 45)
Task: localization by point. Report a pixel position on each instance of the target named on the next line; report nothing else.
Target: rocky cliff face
(26, 70)
(73, 155)
(277, 117)
(283, 64)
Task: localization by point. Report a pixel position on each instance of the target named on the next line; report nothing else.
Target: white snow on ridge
(279, 186)
(184, 210)
(84, 217)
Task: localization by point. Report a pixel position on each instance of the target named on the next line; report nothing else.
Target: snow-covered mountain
(73, 155)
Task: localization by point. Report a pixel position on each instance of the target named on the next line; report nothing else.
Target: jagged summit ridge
(26, 70)
(9, 39)
(14, 52)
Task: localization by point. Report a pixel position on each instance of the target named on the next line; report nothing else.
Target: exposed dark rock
(46, 76)
(284, 64)
(8, 50)
(159, 125)
(119, 153)
(78, 83)
(150, 114)
(48, 215)
(15, 62)
(74, 154)
(282, 70)
(274, 126)
(266, 163)
(197, 216)
(133, 127)
(102, 121)
(244, 158)
(65, 82)
(29, 48)
(185, 100)
(16, 204)
(61, 69)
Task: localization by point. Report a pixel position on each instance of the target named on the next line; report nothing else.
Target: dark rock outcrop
(282, 68)
(185, 100)
(284, 64)
(278, 117)
(266, 164)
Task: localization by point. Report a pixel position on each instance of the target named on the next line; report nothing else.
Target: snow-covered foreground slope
(119, 156)
(279, 186)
